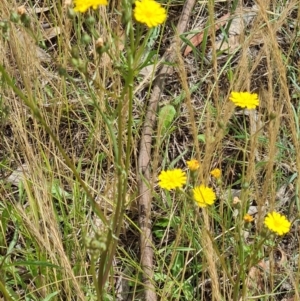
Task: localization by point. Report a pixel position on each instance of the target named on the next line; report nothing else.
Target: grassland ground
(74, 96)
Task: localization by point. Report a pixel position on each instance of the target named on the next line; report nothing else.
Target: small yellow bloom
(244, 99)
(204, 196)
(83, 5)
(277, 223)
(172, 179)
(216, 173)
(248, 218)
(193, 164)
(149, 12)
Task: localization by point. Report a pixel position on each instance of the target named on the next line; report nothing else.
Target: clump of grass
(71, 126)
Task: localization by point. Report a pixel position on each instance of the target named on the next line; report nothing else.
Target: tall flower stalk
(125, 104)
(125, 98)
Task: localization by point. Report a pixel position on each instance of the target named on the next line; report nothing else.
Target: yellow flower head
(172, 179)
(248, 218)
(204, 196)
(83, 5)
(193, 164)
(216, 173)
(277, 223)
(244, 99)
(149, 12)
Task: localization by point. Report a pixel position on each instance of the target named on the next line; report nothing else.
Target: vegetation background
(75, 91)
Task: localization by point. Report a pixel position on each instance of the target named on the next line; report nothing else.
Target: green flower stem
(106, 120)
(93, 272)
(105, 261)
(122, 169)
(245, 190)
(140, 49)
(242, 271)
(4, 292)
(245, 265)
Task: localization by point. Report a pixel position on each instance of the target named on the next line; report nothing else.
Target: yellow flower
(149, 12)
(172, 179)
(204, 195)
(193, 164)
(83, 5)
(244, 99)
(248, 218)
(216, 173)
(277, 223)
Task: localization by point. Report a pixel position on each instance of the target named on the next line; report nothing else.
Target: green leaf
(201, 138)
(49, 297)
(162, 222)
(33, 263)
(165, 118)
(58, 192)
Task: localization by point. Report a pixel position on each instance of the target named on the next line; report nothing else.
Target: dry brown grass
(259, 167)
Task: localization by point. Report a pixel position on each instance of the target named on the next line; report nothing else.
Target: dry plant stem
(188, 101)
(211, 20)
(211, 257)
(144, 160)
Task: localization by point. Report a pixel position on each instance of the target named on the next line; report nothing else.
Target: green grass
(69, 150)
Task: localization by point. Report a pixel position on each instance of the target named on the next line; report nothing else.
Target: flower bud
(86, 39)
(75, 52)
(82, 66)
(221, 124)
(71, 14)
(272, 115)
(245, 185)
(90, 20)
(4, 26)
(75, 62)
(99, 43)
(100, 46)
(62, 71)
(14, 17)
